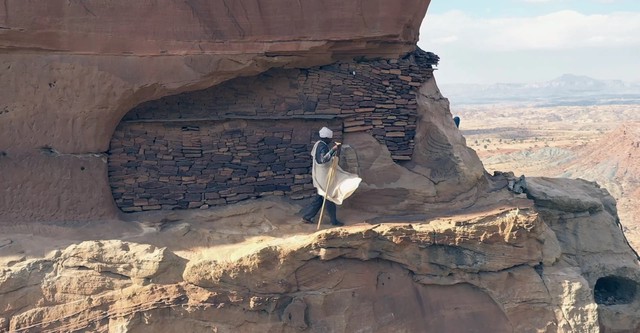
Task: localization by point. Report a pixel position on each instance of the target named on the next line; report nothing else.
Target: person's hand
(336, 148)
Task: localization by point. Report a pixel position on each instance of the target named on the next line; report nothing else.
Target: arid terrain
(153, 182)
(597, 143)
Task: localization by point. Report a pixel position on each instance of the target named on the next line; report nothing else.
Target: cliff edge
(153, 171)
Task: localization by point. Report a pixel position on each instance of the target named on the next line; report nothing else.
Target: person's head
(325, 134)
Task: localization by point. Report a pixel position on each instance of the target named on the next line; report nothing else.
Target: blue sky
(491, 41)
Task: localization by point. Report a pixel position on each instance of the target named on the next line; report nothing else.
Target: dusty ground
(597, 143)
(220, 232)
(557, 141)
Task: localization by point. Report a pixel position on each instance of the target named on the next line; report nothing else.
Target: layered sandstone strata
(556, 264)
(251, 137)
(70, 75)
(457, 251)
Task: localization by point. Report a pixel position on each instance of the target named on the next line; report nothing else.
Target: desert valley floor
(597, 143)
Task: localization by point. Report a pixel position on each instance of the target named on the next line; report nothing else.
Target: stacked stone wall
(251, 136)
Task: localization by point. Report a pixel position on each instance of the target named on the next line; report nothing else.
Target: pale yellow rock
(456, 250)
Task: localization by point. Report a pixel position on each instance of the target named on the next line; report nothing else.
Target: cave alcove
(613, 290)
(251, 136)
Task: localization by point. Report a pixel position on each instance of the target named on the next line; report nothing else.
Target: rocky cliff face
(556, 263)
(432, 243)
(71, 75)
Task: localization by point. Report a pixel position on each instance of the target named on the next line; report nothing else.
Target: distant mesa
(613, 159)
(567, 89)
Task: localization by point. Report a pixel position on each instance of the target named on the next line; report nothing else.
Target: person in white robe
(342, 185)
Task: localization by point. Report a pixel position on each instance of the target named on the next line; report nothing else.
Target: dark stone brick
(244, 189)
(216, 202)
(277, 167)
(237, 198)
(151, 184)
(237, 166)
(268, 158)
(272, 141)
(221, 158)
(265, 188)
(155, 191)
(299, 171)
(196, 187)
(184, 163)
(205, 159)
(310, 106)
(167, 202)
(173, 195)
(193, 196)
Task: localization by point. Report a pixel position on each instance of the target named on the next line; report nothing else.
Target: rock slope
(431, 244)
(70, 76)
(558, 263)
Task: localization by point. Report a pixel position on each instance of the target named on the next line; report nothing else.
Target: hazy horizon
(535, 81)
(527, 41)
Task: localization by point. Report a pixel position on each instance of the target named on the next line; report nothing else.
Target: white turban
(326, 133)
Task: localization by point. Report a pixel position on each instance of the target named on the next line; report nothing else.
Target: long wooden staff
(332, 170)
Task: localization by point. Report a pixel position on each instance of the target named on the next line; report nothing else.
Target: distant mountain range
(567, 89)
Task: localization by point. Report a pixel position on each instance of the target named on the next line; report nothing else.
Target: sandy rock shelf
(255, 267)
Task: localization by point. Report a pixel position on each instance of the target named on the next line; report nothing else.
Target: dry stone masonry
(251, 136)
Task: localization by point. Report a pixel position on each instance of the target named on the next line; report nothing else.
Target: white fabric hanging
(343, 183)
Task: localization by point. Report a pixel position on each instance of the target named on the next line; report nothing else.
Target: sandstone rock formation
(432, 242)
(70, 76)
(527, 267)
(250, 137)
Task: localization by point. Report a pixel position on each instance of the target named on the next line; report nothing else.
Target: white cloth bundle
(343, 183)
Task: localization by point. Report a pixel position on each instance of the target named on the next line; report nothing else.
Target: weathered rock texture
(71, 75)
(546, 268)
(206, 26)
(460, 252)
(251, 137)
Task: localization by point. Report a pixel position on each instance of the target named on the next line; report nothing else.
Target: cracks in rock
(103, 311)
(5, 242)
(84, 5)
(6, 11)
(234, 20)
(82, 268)
(29, 285)
(106, 273)
(44, 268)
(362, 16)
(246, 15)
(295, 277)
(462, 271)
(50, 151)
(115, 275)
(540, 271)
(619, 224)
(380, 278)
(196, 14)
(421, 175)
(432, 98)
(301, 9)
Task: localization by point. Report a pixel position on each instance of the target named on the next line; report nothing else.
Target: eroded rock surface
(458, 251)
(514, 269)
(70, 76)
